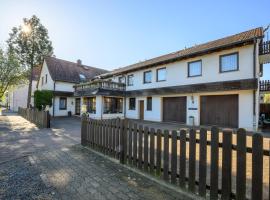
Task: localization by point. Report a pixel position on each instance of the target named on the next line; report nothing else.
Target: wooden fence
(201, 161)
(40, 118)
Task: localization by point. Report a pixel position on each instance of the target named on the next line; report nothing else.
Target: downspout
(254, 76)
(125, 97)
(53, 96)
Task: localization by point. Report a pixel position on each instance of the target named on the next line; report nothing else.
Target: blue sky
(112, 34)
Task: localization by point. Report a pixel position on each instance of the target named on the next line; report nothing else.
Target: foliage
(266, 98)
(11, 72)
(30, 42)
(42, 98)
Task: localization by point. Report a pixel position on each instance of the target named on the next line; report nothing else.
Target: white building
(215, 83)
(17, 95)
(59, 76)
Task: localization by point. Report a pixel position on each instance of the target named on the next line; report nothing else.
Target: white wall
(177, 72)
(18, 96)
(50, 83)
(245, 107)
(64, 86)
(58, 112)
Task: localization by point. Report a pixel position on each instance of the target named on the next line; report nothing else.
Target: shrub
(43, 98)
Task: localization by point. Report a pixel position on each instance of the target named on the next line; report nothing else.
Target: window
(228, 62)
(62, 103)
(121, 79)
(132, 103)
(195, 68)
(90, 104)
(147, 77)
(46, 78)
(161, 74)
(112, 105)
(130, 80)
(42, 80)
(149, 103)
(82, 77)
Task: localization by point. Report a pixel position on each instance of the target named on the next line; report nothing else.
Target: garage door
(220, 110)
(174, 109)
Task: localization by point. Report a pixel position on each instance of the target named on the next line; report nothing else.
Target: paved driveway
(51, 164)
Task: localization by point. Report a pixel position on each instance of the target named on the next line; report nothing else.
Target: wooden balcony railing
(265, 85)
(108, 85)
(264, 48)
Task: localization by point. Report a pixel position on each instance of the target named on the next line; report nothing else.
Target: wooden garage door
(174, 109)
(220, 110)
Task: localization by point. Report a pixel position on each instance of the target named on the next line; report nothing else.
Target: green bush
(42, 98)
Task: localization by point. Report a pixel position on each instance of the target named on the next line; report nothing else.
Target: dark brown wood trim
(157, 74)
(244, 84)
(228, 54)
(188, 64)
(144, 82)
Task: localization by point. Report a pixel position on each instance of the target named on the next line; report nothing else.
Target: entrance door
(141, 110)
(174, 109)
(78, 106)
(220, 110)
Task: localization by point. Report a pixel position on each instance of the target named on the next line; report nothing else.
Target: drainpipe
(125, 97)
(254, 76)
(53, 96)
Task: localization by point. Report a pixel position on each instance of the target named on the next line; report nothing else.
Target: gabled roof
(197, 50)
(66, 71)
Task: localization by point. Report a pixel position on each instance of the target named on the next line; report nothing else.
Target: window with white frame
(195, 68)
(229, 62)
(112, 105)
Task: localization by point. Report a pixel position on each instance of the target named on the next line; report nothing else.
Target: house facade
(17, 95)
(59, 76)
(215, 83)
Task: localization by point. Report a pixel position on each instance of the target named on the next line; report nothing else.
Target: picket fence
(181, 157)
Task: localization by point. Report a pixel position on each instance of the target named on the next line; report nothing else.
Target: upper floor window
(161, 74)
(46, 78)
(62, 103)
(229, 62)
(130, 80)
(132, 103)
(149, 103)
(195, 68)
(121, 79)
(147, 77)
(42, 80)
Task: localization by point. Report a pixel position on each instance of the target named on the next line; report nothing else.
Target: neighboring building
(17, 95)
(59, 76)
(215, 83)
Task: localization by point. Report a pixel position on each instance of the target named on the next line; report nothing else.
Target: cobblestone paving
(67, 172)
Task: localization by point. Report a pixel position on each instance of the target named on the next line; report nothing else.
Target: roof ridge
(82, 65)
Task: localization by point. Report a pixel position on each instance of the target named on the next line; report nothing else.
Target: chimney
(79, 62)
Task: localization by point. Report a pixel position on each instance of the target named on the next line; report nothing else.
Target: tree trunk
(30, 88)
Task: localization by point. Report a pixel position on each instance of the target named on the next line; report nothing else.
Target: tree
(11, 72)
(30, 42)
(42, 99)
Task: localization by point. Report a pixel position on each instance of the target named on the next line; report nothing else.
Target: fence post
(123, 133)
(257, 166)
(214, 163)
(226, 165)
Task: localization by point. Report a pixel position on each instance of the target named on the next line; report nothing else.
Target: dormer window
(82, 77)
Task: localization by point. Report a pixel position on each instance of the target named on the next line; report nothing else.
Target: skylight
(82, 77)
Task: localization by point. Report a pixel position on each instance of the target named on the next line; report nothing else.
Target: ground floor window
(132, 103)
(63, 103)
(90, 103)
(112, 105)
(149, 103)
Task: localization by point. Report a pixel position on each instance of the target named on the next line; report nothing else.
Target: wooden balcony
(265, 86)
(99, 87)
(264, 52)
